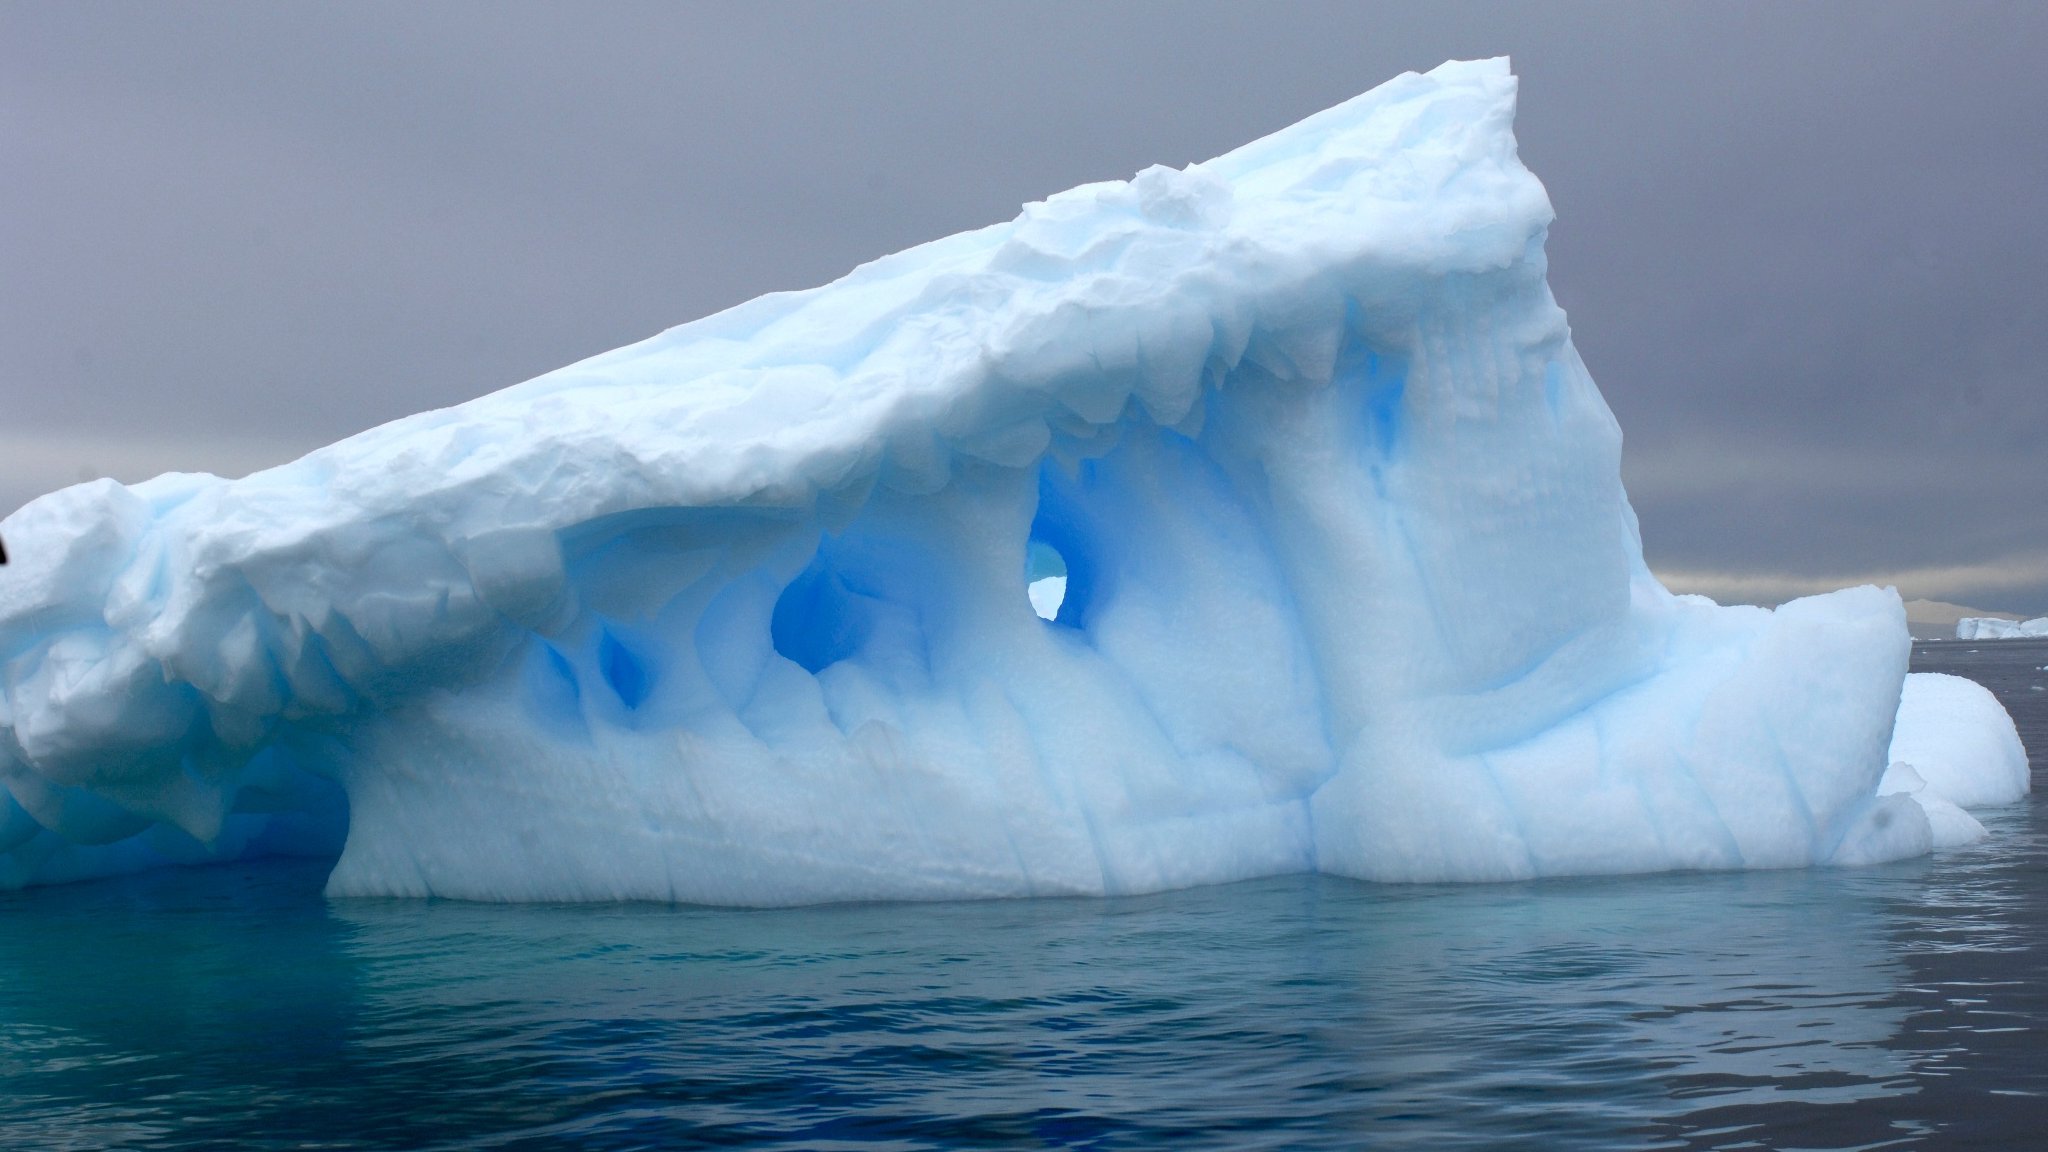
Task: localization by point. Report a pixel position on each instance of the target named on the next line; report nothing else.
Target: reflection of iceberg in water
(1590, 1011)
(161, 1010)
(739, 614)
(1610, 998)
(1434, 1016)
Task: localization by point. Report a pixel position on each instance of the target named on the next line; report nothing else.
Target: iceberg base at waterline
(1250, 518)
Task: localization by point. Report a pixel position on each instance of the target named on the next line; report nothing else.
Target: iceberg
(1959, 741)
(1248, 518)
(1999, 628)
(1954, 748)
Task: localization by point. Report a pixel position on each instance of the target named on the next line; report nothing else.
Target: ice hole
(819, 621)
(1063, 569)
(1045, 579)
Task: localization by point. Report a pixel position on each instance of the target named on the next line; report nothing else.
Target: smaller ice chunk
(1954, 747)
(1998, 628)
(1947, 825)
(1893, 827)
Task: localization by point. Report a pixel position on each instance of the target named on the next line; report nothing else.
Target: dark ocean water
(1894, 1007)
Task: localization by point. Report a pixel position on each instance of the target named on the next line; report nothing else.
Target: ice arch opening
(1067, 543)
(731, 615)
(1045, 579)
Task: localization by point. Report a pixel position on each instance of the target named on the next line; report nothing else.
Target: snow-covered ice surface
(739, 614)
(1998, 628)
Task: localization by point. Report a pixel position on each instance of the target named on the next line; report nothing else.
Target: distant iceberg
(753, 612)
(1998, 628)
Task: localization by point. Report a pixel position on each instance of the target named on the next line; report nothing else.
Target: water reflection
(127, 1005)
(1294, 1011)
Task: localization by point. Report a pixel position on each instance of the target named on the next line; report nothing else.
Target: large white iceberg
(739, 614)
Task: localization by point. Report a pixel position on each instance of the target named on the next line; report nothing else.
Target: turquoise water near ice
(1900, 1006)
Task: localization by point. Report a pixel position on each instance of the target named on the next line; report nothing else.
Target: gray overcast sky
(1804, 246)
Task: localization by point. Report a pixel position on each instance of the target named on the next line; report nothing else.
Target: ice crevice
(743, 613)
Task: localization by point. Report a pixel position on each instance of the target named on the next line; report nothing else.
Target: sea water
(1898, 1006)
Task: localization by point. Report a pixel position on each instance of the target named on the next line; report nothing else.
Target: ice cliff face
(738, 614)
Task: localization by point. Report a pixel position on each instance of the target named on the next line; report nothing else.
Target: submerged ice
(1242, 519)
